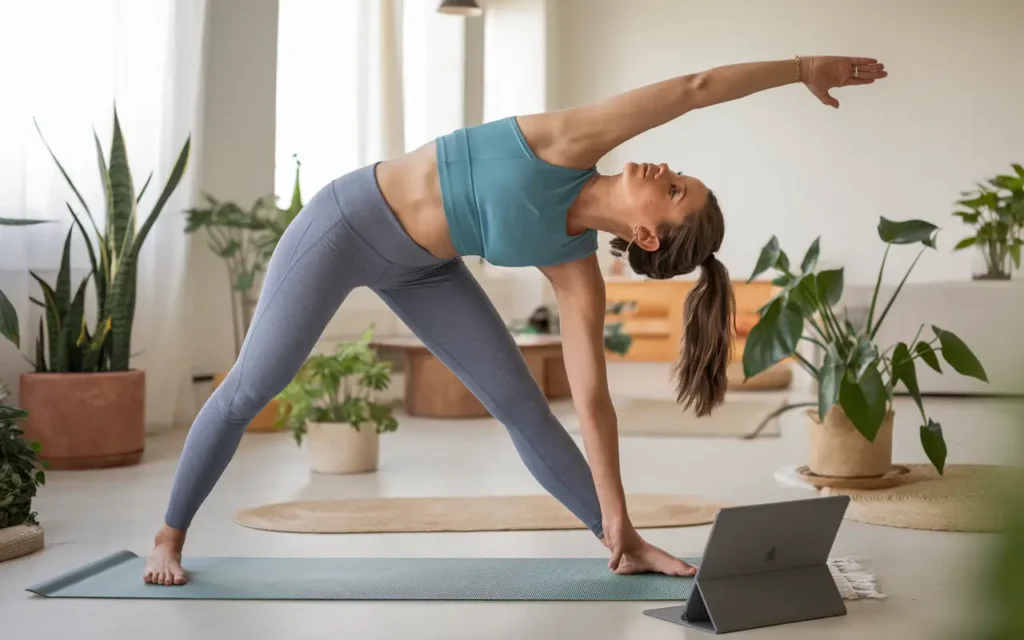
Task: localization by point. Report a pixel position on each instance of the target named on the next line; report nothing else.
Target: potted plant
(332, 402)
(245, 240)
(21, 475)
(996, 211)
(851, 424)
(86, 404)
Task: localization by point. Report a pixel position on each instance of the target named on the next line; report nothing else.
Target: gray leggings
(347, 237)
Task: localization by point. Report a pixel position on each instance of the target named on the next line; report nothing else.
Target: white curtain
(70, 61)
(360, 81)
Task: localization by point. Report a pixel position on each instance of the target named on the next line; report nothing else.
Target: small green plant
(245, 239)
(339, 387)
(996, 211)
(615, 339)
(21, 472)
(855, 373)
(114, 259)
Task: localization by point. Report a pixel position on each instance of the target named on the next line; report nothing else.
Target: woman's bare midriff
(411, 188)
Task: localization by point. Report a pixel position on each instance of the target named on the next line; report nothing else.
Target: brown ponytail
(709, 313)
(709, 320)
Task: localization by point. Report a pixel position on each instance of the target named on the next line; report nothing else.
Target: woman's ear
(645, 238)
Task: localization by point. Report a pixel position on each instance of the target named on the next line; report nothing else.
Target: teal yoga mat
(119, 575)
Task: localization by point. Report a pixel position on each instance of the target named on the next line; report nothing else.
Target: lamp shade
(468, 8)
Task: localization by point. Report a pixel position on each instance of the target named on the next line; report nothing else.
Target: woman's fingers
(863, 61)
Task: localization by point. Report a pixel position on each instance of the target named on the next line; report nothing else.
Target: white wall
(237, 155)
(780, 162)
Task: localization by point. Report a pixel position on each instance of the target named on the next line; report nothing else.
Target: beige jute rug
(478, 513)
(734, 418)
(965, 498)
(20, 540)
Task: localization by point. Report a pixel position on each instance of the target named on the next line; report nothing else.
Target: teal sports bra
(504, 203)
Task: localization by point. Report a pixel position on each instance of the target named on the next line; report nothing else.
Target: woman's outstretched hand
(632, 554)
(822, 73)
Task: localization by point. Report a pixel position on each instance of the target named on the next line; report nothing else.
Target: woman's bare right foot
(164, 565)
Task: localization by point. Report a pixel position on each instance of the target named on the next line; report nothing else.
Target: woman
(521, 192)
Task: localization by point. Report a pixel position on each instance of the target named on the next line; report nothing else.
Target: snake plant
(113, 254)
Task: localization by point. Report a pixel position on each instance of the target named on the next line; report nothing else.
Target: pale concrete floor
(90, 514)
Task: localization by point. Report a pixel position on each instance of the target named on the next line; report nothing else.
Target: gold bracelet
(798, 78)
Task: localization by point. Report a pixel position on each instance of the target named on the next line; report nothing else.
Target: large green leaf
(62, 294)
(829, 376)
(94, 347)
(805, 293)
(934, 444)
(862, 356)
(969, 217)
(773, 338)
(830, 286)
(108, 192)
(53, 322)
(40, 353)
(767, 259)
(122, 190)
(966, 242)
(959, 355)
(811, 257)
(907, 232)
(73, 321)
(903, 370)
(20, 222)
(928, 355)
(9, 321)
(864, 401)
(172, 183)
(100, 274)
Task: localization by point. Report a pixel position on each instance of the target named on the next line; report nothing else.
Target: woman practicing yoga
(521, 191)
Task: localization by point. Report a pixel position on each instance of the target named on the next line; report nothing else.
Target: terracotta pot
(86, 420)
(336, 447)
(264, 421)
(838, 450)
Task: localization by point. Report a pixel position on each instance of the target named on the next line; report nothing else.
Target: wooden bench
(433, 391)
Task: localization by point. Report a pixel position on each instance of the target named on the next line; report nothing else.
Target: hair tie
(708, 260)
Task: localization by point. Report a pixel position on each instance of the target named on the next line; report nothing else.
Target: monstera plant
(857, 376)
(86, 404)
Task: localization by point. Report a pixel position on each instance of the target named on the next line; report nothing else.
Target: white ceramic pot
(838, 450)
(337, 447)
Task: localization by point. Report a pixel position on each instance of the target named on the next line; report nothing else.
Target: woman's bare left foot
(163, 566)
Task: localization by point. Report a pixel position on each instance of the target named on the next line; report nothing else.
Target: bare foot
(164, 565)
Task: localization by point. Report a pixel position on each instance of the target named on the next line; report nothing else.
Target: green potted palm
(86, 403)
(21, 475)
(332, 403)
(996, 212)
(245, 239)
(851, 421)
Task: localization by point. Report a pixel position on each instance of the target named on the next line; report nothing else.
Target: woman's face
(661, 196)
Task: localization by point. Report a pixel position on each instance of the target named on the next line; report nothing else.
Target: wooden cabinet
(656, 322)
